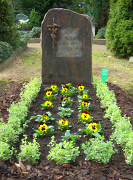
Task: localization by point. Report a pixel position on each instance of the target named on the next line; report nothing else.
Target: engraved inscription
(69, 45)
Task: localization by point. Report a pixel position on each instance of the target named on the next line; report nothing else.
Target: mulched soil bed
(81, 169)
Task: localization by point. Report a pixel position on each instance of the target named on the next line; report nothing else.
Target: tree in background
(40, 6)
(8, 30)
(34, 19)
(97, 9)
(119, 31)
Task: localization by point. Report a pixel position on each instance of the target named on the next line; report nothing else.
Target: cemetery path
(115, 169)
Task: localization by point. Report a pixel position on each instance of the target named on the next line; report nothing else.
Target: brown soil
(81, 169)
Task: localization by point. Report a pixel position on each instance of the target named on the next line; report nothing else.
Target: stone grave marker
(66, 41)
(21, 16)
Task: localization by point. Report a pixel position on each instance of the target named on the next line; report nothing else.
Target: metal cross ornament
(53, 30)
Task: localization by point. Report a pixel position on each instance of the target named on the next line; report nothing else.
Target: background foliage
(8, 30)
(119, 31)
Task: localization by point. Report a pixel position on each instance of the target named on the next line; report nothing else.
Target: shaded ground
(81, 169)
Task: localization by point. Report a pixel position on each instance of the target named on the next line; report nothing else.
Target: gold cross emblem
(53, 29)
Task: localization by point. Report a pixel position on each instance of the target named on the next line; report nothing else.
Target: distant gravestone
(66, 41)
(21, 16)
(131, 59)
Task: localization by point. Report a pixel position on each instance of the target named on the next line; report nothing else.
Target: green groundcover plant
(81, 89)
(49, 96)
(92, 129)
(66, 101)
(54, 89)
(45, 118)
(29, 151)
(98, 150)
(9, 133)
(61, 154)
(5, 151)
(63, 124)
(122, 127)
(43, 130)
(70, 137)
(65, 112)
(67, 90)
(47, 105)
(85, 117)
(84, 106)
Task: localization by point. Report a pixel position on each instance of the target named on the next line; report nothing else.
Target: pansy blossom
(64, 99)
(85, 115)
(63, 122)
(81, 87)
(53, 87)
(48, 92)
(43, 127)
(85, 103)
(48, 103)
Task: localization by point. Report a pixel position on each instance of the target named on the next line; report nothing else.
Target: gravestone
(21, 16)
(66, 41)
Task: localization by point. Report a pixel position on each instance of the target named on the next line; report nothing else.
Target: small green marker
(104, 75)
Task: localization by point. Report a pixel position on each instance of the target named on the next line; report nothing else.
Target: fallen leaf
(20, 165)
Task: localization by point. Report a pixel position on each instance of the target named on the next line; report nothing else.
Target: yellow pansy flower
(85, 96)
(64, 99)
(45, 116)
(64, 89)
(53, 87)
(85, 116)
(63, 122)
(93, 127)
(48, 103)
(43, 128)
(84, 103)
(48, 93)
(81, 88)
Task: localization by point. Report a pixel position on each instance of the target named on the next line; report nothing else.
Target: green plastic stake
(104, 75)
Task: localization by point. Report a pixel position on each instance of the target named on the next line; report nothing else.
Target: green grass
(120, 71)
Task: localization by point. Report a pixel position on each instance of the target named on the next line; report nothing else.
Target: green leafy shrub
(30, 91)
(25, 34)
(119, 29)
(122, 131)
(5, 51)
(101, 33)
(29, 151)
(34, 19)
(8, 134)
(129, 149)
(61, 154)
(23, 41)
(98, 150)
(8, 30)
(36, 31)
(5, 152)
(18, 110)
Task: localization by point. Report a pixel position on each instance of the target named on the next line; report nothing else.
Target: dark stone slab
(69, 58)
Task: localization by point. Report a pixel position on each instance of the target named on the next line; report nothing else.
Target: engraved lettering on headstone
(69, 45)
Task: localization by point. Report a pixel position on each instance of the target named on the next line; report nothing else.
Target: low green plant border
(123, 133)
(9, 133)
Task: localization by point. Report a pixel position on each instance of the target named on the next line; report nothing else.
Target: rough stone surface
(69, 58)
